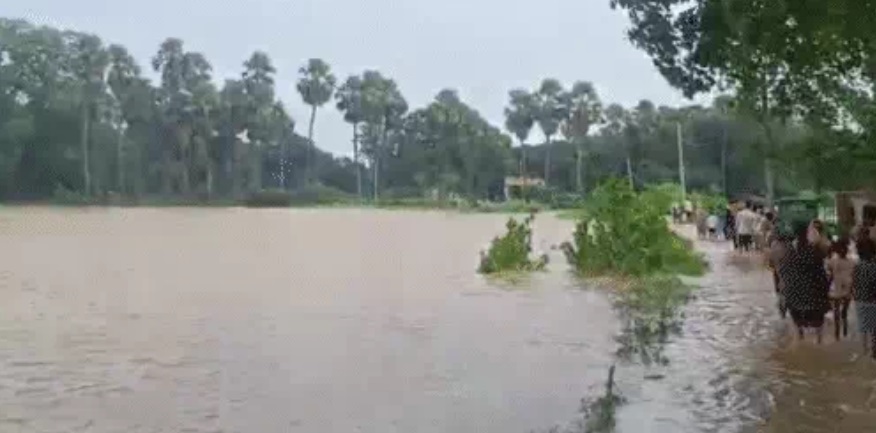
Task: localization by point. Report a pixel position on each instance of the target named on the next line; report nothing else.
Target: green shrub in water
(624, 233)
(510, 252)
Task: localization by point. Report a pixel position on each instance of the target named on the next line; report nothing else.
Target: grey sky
(482, 48)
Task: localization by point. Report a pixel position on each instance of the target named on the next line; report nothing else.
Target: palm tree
(234, 116)
(383, 107)
(551, 112)
(316, 85)
(91, 61)
(585, 110)
(617, 126)
(349, 97)
(519, 120)
(182, 73)
(258, 82)
(124, 81)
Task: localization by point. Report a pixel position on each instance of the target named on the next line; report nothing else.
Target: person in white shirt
(712, 224)
(746, 226)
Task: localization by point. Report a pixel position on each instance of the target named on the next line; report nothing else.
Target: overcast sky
(482, 48)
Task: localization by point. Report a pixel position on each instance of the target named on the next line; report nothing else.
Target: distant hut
(853, 207)
(515, 186)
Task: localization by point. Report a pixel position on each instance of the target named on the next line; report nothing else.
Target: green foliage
(510, 252)
(625, 233)
(786, 61)
(713, 203)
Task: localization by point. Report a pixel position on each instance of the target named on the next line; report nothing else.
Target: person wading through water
(840, 268)
(746, 226)
(805, 283)
(730, 226)
(818, 238)
(776, 255)
(864, 292)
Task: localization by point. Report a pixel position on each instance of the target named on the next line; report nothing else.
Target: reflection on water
(143, 320)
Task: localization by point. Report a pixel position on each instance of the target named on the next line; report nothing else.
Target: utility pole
(681, 163)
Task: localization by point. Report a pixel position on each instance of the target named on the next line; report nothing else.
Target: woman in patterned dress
(805, 283)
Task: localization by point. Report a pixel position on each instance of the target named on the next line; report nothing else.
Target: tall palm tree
(617, 120)
(585, 110)
(123, 79)
(316, 86)
(349, 97)
(519, 120)
(258, 82)
(551, 112)
(383, 107)
(91, 61)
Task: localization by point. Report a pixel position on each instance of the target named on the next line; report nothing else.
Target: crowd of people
(813, 274)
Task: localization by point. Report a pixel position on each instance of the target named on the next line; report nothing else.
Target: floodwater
(239, 320)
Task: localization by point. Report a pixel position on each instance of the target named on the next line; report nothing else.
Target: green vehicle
(802, 209)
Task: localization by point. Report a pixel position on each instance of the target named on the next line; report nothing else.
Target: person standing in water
(712, 224)
(840, 268)
(776, 255)
(864, 292)
(805, 284)
(818, 238)
(730, 226)
(765, 230)
(700, 219)
(746, 221)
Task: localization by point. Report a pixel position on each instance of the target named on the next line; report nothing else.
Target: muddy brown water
(238, 320)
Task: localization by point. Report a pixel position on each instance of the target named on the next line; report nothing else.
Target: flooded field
(236, 320)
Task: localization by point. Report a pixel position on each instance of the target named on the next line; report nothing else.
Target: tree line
(78, 115)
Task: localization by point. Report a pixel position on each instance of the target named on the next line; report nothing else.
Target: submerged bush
(650, 312)
(599, 414)
(625, 233)
(510, 252)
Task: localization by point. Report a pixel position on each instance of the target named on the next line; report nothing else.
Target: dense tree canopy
(77, 116)
(786, 60)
